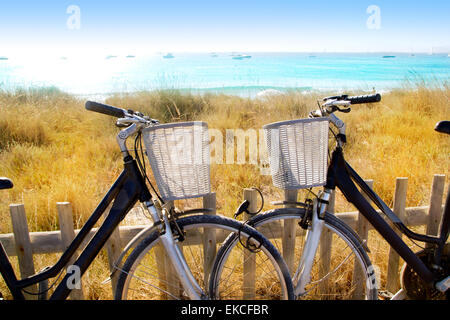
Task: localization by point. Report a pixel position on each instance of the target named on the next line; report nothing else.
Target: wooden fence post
(435, 210)
(113, 249)
(67, 235)
(362, 229)
(169, 275)
(249, 258)
(209, 238)
(325, 250)
(289, 228)
(392, 282)
(363, 225)
(23, 245)
(161, 260)
(168, 280)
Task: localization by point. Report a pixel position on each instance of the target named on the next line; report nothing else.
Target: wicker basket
(180, 159)
(297, 152)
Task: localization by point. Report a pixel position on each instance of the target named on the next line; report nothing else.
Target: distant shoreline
(251, 92)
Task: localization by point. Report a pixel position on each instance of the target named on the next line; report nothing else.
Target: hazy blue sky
(277, 25)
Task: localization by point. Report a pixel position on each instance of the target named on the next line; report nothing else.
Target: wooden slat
(113, 249)
(173, 282)
(249, 258)
(23, 247)
(161, 266)
(392, 282)
(414, 216)
(325, 251)
(289, 228)
(209, 238)
(362, 228)
(362, 225)
(434, 212)
(67, 235)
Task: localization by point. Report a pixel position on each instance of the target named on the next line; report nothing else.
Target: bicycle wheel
(341, 268)
(148, 274)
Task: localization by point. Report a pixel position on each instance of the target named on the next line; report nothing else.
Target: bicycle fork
(303, 274)
(174, 253)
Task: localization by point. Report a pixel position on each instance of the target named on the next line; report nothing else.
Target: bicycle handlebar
(370, 98)
(105, 109)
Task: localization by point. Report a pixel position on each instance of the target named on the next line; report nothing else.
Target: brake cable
(138, 145)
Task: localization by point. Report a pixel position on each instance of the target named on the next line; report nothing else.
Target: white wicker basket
(180, 159)
(297, 152)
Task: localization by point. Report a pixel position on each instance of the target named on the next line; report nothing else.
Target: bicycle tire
(325, 287)
(195, 227)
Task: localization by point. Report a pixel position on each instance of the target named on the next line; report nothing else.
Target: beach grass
(54, 150)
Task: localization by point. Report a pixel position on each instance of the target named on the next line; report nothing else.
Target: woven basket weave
(180, 159)
(297, 152)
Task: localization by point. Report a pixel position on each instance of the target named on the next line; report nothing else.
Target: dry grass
(54, 150)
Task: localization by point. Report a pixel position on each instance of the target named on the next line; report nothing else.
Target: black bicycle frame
(341, 175)
(125, 192)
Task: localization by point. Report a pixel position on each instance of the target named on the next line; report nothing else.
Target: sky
(116, 27)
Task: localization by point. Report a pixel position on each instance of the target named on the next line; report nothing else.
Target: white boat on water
(241, 57)
(168, 56)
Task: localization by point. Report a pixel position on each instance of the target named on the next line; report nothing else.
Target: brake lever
(347, 110)
(122, 125)
(331, 107)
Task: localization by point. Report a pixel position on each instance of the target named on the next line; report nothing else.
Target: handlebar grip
(371, 98)
(105, 109)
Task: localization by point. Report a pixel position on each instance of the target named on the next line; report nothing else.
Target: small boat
(168, 56)
(387, 57)
(241, 57)
(110, 57)
(130, 56)
(3, 58)
(214, 55)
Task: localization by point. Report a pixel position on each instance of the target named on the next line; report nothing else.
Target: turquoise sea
(102, 75)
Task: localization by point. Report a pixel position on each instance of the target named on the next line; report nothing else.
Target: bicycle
(298, 159)
(155, 263)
